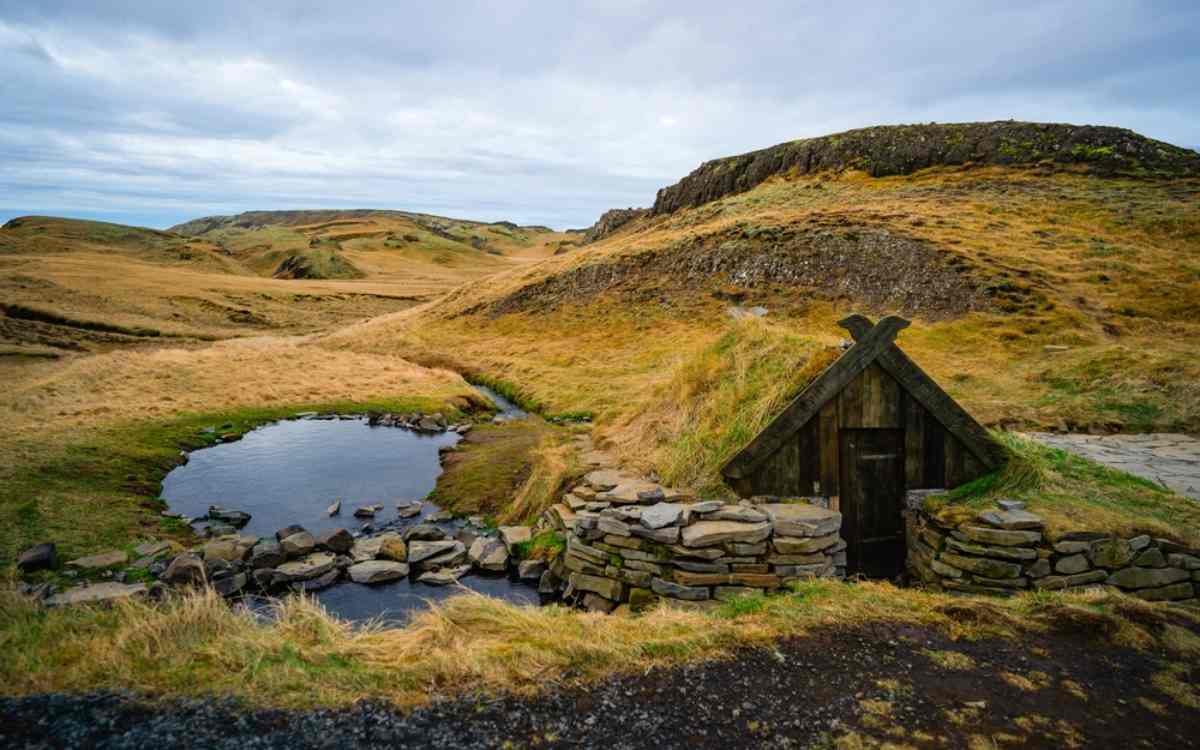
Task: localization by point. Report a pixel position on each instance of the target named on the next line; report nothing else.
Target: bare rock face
(612, 220)
(904, 149)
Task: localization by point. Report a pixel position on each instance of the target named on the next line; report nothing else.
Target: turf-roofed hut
(868, 430)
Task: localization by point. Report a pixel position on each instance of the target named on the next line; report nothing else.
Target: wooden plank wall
(807, 463)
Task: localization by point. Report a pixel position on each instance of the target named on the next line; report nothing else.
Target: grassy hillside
(1044, 294)
(72, 286)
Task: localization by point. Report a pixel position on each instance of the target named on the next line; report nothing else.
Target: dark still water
(290, 472)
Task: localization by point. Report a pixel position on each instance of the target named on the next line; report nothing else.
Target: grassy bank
(1074, 494)
(99, 490)
(473, 644)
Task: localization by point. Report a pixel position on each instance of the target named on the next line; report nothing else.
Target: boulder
(100, 561)
(424, 532)
(185, 569)
(531, 570)
(38, 557)
(309, 566)
(334, 509)
(392, 547)
(228, 549)
(335, 540)
(109, 591)
(709, 533)
(1000, 537)
(367, 511)
(298, 544)
(419, 552)
(323, 581)
(410, 510)
(377, 571)
(514, 535)
(1145, 578)
(603, 480)
(596, 603)
(287, 531)
(800, 519)
(235, 518)
(444, 576)
(266, 554)
(230, 585)
(451, 558)
(152, 548)
(488, 553)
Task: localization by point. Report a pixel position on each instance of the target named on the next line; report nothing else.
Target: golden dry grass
(468, 644)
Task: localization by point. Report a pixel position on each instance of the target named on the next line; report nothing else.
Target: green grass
(1074, 494)
(100, 491)
(545, 546)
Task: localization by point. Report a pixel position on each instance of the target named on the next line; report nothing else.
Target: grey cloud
(537, 112)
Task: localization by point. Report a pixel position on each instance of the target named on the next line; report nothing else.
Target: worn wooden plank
(914, 442)
(890, 414)
(828, 436)
(925, 390)
(850, 404)
(827, 385)
(934, 452)
(954, 462)
(808, 442)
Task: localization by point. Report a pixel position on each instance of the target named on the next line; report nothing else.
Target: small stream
(289, 472)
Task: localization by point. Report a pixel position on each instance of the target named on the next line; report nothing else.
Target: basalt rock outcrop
(612, 220)
(903, 149)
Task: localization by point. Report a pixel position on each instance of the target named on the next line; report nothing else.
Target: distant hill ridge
(903, 149)
(251, 219)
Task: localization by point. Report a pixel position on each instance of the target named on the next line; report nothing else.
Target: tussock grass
(1073, 493)
(470, 643)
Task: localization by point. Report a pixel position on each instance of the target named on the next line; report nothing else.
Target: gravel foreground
(879, 684)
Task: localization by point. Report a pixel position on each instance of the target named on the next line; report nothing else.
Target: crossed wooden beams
(873, 343)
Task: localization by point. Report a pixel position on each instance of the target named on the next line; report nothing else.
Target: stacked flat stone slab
(622, 551)
(1005, 550)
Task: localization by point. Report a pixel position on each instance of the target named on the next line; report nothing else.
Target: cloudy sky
(155, 112)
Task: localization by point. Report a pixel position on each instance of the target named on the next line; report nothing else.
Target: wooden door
(872, 498)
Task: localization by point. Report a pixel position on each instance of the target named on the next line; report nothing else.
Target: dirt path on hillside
(1169, 459)
(846, 688)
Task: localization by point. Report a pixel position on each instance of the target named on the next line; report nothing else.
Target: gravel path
(1170, 459)
(878, 683)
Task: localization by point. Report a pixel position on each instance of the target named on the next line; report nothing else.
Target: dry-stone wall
(1006, 550)
(632, 541)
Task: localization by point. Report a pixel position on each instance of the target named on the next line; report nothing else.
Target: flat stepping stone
(100, 592)
(100, 561)
(377, 571)
(445, 576)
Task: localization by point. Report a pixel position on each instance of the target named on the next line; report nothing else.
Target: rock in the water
(266, 554)
(393, 548)
(488, 553)
(377, 571)
(287, 531)
(38, 557)
(100, 561)
(310, 566)
(708, 533)
(445, 576)
(229, 549)
(185, 569)
(660, 515)
(424, 532)
(100, 592)
(367, 511)
(322, 581)
(235, 518)
(409, 510)
(335, 540)
(334, 509)
(298, 544)
(420, 551)
(531, 570)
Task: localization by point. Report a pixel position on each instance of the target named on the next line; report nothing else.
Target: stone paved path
(1170, 459)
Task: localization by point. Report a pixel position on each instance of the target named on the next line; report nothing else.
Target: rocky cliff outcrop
(903, 149)
(612, 220)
